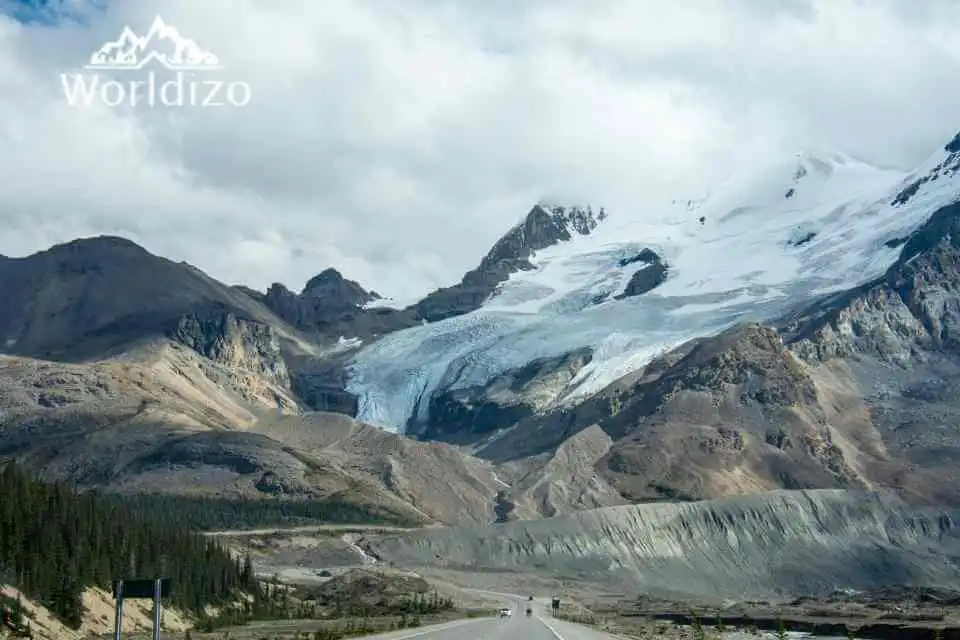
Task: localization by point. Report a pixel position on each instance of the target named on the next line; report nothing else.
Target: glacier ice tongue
(756, 253)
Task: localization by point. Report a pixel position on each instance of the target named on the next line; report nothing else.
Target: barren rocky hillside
(758, 546)
(170, 421)
(856, 391)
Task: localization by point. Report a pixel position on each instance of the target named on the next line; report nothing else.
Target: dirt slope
(754, 546)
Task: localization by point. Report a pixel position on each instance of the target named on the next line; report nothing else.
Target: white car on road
(505, 613)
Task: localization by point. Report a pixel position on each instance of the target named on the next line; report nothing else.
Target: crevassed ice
(740, 264)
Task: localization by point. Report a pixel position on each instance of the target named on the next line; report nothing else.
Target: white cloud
(397, 141)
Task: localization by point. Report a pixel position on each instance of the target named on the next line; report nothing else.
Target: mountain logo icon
(163, 44)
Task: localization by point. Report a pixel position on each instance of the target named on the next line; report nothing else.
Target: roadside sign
(156, 589)
(141, 588)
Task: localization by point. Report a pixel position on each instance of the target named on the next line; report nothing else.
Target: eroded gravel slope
(761, 545)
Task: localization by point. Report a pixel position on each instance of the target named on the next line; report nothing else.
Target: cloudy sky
(396, 140)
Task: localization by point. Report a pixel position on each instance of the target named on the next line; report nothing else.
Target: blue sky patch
(51, 12)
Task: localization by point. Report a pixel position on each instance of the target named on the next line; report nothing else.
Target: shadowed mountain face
(331, 307)
(89, 297)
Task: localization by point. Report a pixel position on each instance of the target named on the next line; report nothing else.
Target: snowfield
(800, 229)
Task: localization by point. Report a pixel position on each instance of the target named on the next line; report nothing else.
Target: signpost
(555, 604)
(156, 589)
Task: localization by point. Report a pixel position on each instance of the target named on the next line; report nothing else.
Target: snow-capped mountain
(755, 248)
(551, 362)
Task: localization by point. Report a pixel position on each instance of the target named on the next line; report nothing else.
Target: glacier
(757, 246)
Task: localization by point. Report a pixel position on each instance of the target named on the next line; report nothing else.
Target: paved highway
(540, 626)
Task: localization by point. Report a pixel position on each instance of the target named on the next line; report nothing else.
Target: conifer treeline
(203, 513)
(54, 543)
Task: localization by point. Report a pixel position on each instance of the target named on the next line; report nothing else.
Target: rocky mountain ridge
(128, 371)
(123, 370)
(855, 391)
(333, 307)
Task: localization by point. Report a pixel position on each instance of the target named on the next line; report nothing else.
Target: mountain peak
(103, 241)
(954, 145)
(544, 226)
(325, 278)
(90, 248)
(278, 289)
(581, 219)
(331, 284)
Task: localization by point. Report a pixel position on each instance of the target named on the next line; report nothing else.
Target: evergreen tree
(55, 543)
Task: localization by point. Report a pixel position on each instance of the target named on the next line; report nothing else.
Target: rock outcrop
(948, 166)
(465, 414)
(240, 353)
(647, 278)
(913, 309)
(542, 227)
(235, 342)
(320, 383)
(331, 307)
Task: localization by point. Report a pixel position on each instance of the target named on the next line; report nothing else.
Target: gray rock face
(320, 383)
(648, 278)
(543, 227)
(758, 546)
(236, 342)
(331, 306)
(735, 413)
(949, 166)
(462, 415)
(913, 308)
(954, 145)
(330, 286)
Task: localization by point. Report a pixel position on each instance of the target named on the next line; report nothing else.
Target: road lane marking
(438, 629)
(552, 630)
